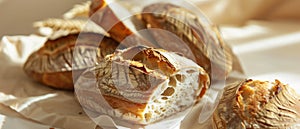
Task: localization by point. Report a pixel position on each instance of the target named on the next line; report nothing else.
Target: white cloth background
(264, 34)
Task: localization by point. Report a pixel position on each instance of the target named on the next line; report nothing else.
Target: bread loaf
(54, 63)
(255, 104)
(142, 85)
(202, 41)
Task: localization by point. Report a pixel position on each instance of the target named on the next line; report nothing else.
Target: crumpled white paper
(31, 99)
(7, 122)
(18, 48)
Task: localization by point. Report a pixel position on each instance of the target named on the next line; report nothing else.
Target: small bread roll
(54, 63)
(258, 104)
(142, 85)
(202, 41)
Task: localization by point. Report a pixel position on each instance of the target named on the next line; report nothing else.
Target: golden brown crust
(251, 98)
(54, 63)
(204, 87)
(145, 85)
(258, 104)
(204, 41)
(104, 16)
(59, 80)
(96, 5)
(123, 28)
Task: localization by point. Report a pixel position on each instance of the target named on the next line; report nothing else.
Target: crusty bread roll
(255, 104)
(201, 38)
(142, 85)
(54, 62)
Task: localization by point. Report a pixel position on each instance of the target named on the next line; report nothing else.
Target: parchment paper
(33, 100)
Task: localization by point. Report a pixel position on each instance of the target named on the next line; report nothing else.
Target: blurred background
(16, 17)
(239, 12)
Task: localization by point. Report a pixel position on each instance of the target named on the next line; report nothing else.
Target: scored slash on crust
(55, 62)
(203, 40)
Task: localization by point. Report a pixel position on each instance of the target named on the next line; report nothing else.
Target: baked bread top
(176, 26)
(142, 85)
(54, 63)
(258, 104)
